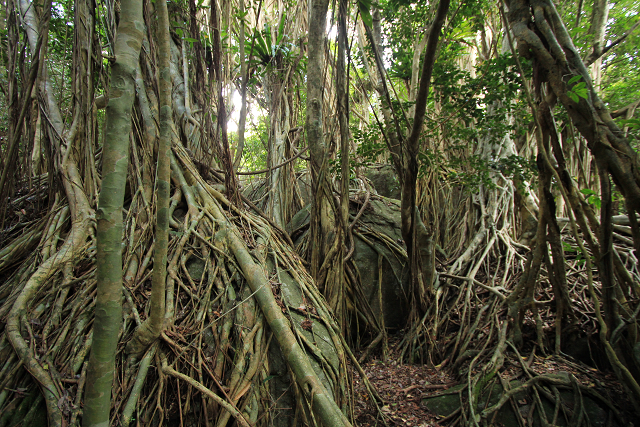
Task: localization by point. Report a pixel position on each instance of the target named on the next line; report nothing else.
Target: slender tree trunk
(280, 116)
(115, 156)
(343, 110)
(342, 94)
(243, 91)
(418, 47)
(314, 120)
(230, 180)
(394, 136)
(599, 17)
(82, 130)
(152, 327)
(326, 230)
(405, 151)
(410, 172)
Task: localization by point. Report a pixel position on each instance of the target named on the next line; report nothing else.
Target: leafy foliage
(476, 110)
(255, 146)
(592, 197)
(578, 90)
(620, 65)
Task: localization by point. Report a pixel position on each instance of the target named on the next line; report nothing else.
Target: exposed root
(216, 358)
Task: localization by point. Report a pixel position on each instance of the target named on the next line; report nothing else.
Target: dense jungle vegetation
(193, 232)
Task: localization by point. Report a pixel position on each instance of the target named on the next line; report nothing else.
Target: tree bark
(243, 91)
(552, 47)
(322, 402)
(542, 35)
(327, 246)
(408, 209)
(342, 94)
(150, 330)
(115, 156)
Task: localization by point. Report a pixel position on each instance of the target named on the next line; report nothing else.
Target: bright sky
(236, 100)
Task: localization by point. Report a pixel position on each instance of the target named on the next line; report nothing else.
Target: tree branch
(593, 56)
(623, 111)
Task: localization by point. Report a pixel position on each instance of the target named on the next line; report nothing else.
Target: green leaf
(280, 35)
(365, 12)
(632, 123)
(573, 96)
(592, 198)
(582, 92)
(574, 79)
(262, 45)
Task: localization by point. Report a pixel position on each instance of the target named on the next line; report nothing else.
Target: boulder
(384, 180)
(447, 403)
(323, 355)
(379, 256)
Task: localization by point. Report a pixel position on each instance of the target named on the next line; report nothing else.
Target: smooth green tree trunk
(115, 155)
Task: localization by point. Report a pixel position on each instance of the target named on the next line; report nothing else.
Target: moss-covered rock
(383, 269)
(323, 355)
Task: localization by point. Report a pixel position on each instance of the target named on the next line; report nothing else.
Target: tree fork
(410, 172)
(561, 62)
(554, 52)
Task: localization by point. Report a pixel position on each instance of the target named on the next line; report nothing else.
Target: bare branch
(593, 56)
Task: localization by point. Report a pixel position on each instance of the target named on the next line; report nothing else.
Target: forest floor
(404, 387)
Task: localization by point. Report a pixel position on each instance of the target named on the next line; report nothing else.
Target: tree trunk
(109, 216)
(327, 240)
(419, 290)
(150, 330)
(542, 35)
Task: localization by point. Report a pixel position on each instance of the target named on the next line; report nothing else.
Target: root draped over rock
(239, 304)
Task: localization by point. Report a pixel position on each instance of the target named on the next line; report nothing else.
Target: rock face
(379, 255)
(384, 180)
(383, 267)
(446, 404)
